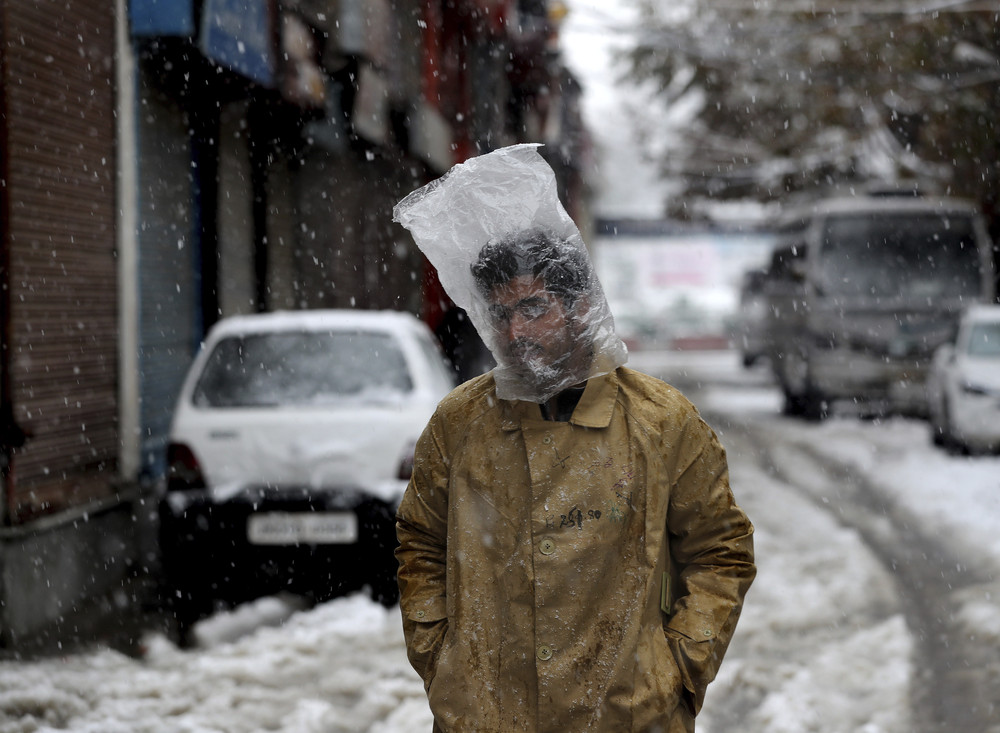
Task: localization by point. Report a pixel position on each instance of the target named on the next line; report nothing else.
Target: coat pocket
(657, 688)
(691, 636)
(426, 625)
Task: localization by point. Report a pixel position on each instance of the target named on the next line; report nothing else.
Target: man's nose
(516, 326)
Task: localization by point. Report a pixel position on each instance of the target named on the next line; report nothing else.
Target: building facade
(167, 163)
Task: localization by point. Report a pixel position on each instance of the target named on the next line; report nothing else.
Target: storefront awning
(162, 18)
(238, 35)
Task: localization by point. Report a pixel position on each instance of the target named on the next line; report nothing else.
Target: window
(303, 368)
(899, 256)
(984, 339)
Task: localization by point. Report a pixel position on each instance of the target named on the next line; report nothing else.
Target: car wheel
(185, 600)
(802, 398)
(792, 405)
(384, 588)
(814, 405)
(186, 607)
(385, 595)
(937, 428)
(949, 440)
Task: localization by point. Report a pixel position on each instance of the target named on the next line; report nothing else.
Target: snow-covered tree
(765, 99)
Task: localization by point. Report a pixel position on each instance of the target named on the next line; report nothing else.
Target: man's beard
(531, 363)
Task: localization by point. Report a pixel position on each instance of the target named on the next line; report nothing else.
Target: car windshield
(984, 339)
(300, 368)
(911, 256)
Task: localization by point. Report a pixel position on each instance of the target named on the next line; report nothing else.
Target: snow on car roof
(885, 205)
(983, 313)
(397, 322)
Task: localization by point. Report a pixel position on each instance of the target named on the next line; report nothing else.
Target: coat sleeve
(422, 531)
(711, 545)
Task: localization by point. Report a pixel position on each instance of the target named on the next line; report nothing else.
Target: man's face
(539, 336)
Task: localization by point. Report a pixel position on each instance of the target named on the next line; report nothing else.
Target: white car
(963, 384)
(290, 447)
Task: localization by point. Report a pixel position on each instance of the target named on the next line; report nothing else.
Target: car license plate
(286, 528)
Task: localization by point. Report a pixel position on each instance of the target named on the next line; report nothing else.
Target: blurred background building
(167, 163)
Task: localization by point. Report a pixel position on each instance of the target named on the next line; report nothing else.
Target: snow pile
(338, 668)
(848, 688)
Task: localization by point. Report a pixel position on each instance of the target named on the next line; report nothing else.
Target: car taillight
(406, 463)
(183, 471)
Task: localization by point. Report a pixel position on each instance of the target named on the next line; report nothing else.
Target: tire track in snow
(955, 685)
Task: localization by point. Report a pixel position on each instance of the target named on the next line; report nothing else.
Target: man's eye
(500, 313)
(533, 310)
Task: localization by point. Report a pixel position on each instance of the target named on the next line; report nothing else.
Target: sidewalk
(118, 619)
(79, 579)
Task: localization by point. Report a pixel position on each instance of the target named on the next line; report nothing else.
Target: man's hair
(562, 265)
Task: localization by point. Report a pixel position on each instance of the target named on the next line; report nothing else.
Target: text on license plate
(314, 528)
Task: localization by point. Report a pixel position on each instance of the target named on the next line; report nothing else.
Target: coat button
(544, 652)
(547, 547)
(420, 614)
(547, 439)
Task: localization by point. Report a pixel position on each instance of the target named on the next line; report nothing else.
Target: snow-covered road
(827, 643)
(916, 641)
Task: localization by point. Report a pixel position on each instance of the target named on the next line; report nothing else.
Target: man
(572, 559)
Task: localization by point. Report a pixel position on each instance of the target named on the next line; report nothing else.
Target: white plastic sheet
(510, 195)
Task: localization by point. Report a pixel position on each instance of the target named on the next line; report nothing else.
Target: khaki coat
(570, 576)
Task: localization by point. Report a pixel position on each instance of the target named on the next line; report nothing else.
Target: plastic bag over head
(508, 253)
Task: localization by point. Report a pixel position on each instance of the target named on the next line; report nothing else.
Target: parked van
(861, 291)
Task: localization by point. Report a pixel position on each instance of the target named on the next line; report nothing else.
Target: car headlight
(971, 388)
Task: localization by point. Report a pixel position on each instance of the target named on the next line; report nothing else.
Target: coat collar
(594, 410)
